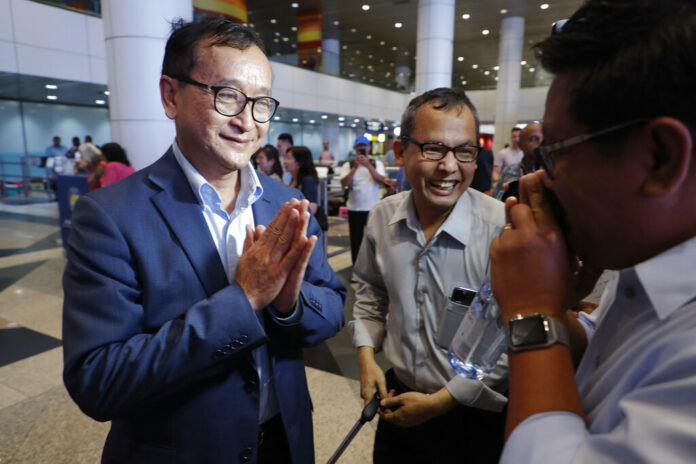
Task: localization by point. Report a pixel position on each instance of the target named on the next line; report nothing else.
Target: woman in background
(268, 162)
(114, 167)
(299, 162)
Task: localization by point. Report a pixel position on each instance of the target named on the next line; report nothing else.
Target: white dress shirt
(404, 284)
(229, 232)
(364, 190)
(637, 378)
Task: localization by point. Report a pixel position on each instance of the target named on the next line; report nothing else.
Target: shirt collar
(250, 191)
(668, 278)
(457, 224)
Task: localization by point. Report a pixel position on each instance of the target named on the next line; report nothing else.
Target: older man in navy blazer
(192, 286)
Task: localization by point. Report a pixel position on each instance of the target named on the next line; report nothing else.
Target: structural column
(508, 93)
(135, 34)
(435, 42)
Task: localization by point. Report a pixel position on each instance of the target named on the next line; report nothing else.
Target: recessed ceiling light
(273, 21)
(486, 73)
(293, 28)
(357, 52)
(324, 116)
(394, 49)
(485, 32)
(336, 23)
(474, 66)
(277, 53)
(369, 37)
(356, 120)
(51, 86)
(99, 102)
(523, 63)
(276, 118)
(503, 11)
(51, 97)
(285, 39)
(398, 25)
(294, 45)
(366, 7)
(461, 58)
(251, 25)
(295, 5)
(341, 124)
(295, 120)
(496, 68)
(463, 82)
(107, 93)
(532, 69)
(466, 16)
(353, 125)
(345, 47)
(276, 40)
(496, 78)
(341, 118)
(312, 121)
(544, 6)
(277, 34)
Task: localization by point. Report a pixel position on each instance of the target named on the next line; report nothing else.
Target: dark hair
(515, 129)
(271, 152)
(88, 138)
(628, 59)
(305, 163)
(114, 152)
(180, 55)
(285, 136)
(439, 99)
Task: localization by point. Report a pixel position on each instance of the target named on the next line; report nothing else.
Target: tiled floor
(38, 421)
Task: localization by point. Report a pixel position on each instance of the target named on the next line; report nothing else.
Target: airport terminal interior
(57, 78)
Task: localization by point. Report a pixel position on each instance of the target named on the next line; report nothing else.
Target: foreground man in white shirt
(419, 245)
(625, 195)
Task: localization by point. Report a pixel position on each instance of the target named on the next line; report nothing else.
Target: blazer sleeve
(321, 300)
(124, 350)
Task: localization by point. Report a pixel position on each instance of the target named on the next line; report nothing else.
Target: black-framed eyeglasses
(543, 153)
(436, 151)
(230, 102)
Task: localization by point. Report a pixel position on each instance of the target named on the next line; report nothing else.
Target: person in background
(73, 152)
(284, 142)
(55, 160)
(508, 155)
(114, 167)
(364, 178)
(268, 162)
(326, 158)
(530, 138)
(482, 180)
(616, 191)
(299, 163)
(89, 152)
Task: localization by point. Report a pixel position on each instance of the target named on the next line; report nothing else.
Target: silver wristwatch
(535, 331)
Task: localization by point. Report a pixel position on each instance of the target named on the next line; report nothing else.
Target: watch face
(528, 331)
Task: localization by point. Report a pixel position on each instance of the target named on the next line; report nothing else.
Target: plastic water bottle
(480, 340)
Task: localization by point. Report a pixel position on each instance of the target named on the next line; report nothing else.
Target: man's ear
(169, 88)
(398, 147)
(670, 147)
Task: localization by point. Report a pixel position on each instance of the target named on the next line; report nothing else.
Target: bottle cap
(463, 295)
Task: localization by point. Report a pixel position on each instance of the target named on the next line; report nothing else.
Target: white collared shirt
(637, 378)
(229, 232)
(404, 284)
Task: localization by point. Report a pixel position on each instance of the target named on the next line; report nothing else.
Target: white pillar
(330, 56)
(135, 34)
(434, 47)
(508, 92)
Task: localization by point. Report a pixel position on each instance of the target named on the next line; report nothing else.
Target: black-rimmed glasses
(436, 151)
(547, 161)
(230, 102)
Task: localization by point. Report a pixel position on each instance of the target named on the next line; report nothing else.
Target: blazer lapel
(179, 207)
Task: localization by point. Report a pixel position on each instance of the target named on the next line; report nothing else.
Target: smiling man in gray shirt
(418, 246)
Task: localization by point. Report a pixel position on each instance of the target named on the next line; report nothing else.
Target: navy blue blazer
(157, 341)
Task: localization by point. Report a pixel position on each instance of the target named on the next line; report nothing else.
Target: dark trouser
(356, 224)
(463, 435)
(273, 443)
